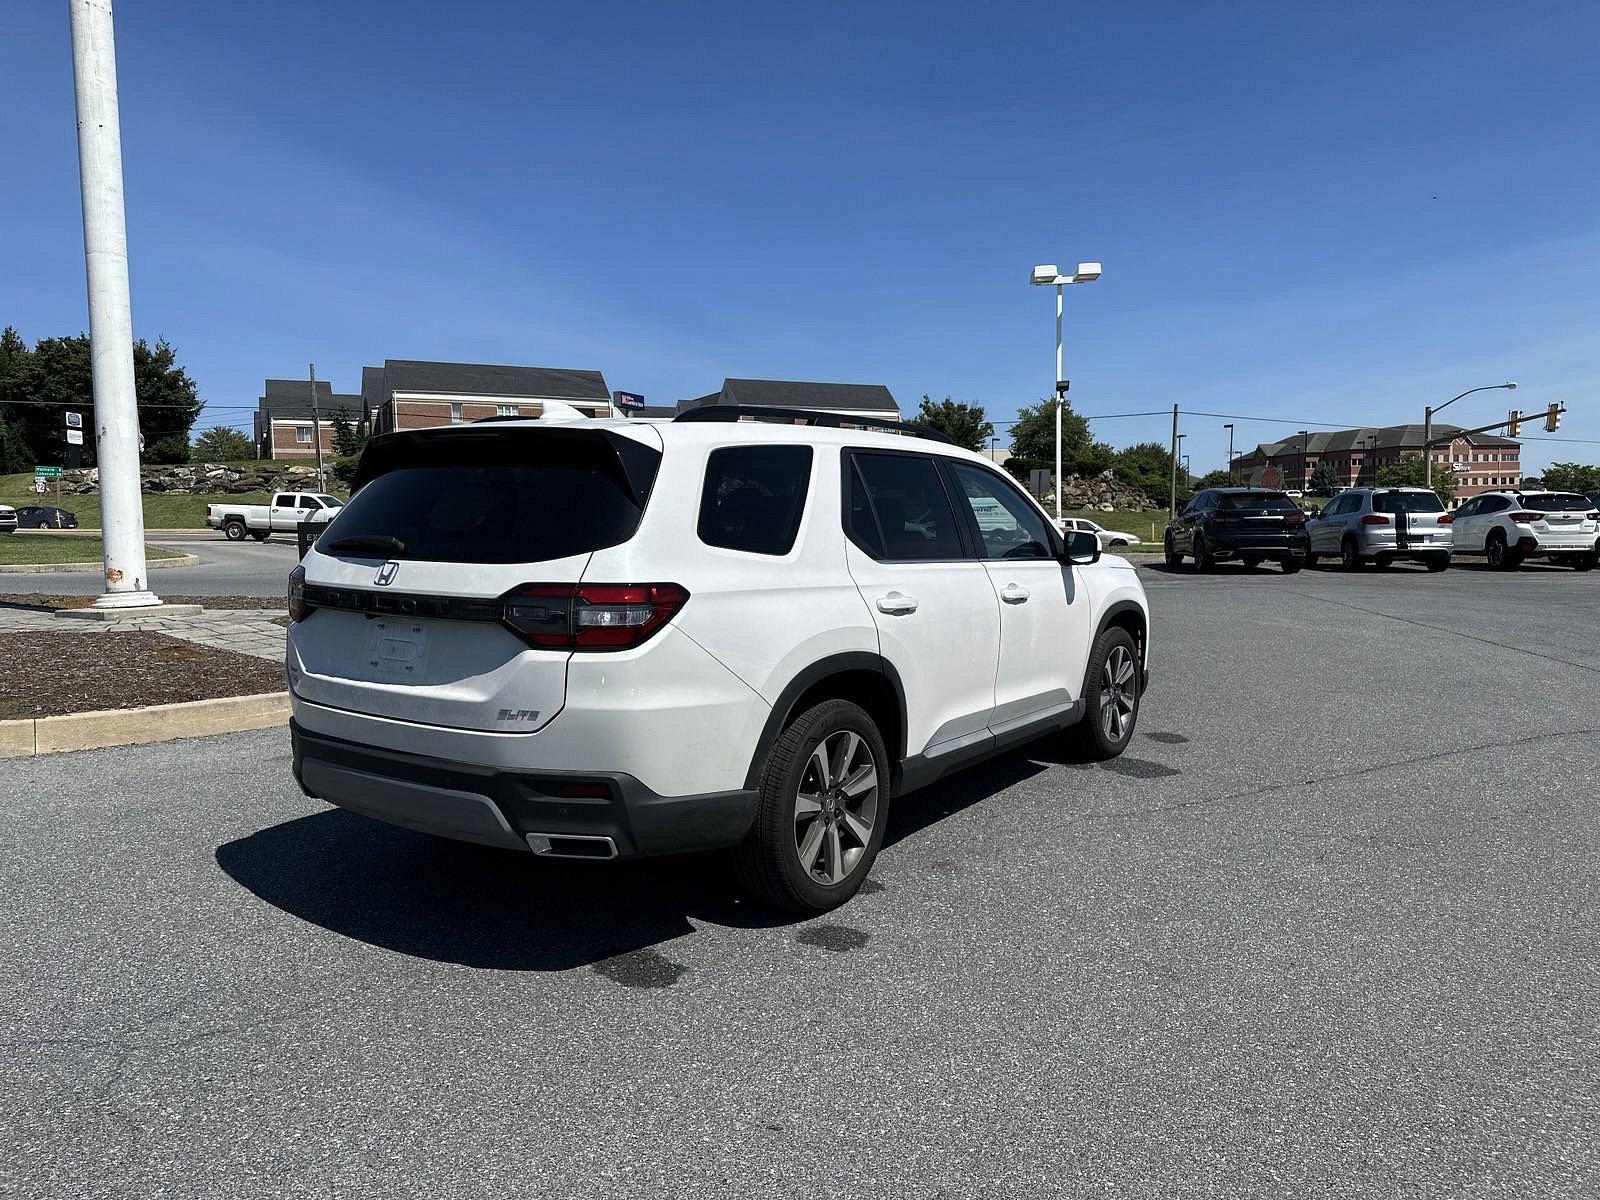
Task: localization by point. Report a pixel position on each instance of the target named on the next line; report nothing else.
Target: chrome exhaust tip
(571, 845)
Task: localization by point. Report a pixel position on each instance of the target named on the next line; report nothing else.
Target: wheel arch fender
(1135, 618)
(857, 675)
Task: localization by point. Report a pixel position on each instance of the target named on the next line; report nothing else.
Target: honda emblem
(387, 572)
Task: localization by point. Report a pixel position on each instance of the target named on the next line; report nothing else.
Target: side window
(753, 497)
(284, 500)
(1494, 504)
(310, 503)
(1008, 527)
(1467, 509)
(905, 503)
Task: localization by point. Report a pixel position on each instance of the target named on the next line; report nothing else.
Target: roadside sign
(628, 401)
(39, 484)
(74, 420)
(74, 437)
(47, 472)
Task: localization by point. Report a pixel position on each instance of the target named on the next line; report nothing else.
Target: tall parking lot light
(1045, 276)
(105, 251)
(1229, 427)
(1427, 423)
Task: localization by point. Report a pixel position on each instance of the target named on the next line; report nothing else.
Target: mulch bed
(43, 602)
(47, 674)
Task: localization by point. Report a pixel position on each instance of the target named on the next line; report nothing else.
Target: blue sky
(1331, 213)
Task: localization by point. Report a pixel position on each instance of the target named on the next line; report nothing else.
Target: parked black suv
(1247, 524)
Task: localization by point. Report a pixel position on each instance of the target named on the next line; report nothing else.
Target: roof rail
(825, 420)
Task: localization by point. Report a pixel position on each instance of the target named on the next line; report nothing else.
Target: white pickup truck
(283, 515)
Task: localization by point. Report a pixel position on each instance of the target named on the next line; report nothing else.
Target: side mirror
(1082, 548)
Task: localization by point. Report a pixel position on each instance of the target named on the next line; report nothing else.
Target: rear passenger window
(754, 497)
(904, 513)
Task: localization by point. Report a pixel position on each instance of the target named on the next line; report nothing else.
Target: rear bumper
(1224, 542)
(1559, 543)
(503, 808)
(1387, 543)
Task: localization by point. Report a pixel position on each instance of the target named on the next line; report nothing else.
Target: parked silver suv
(1382, 524)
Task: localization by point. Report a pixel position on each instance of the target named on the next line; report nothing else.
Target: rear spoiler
(479, 444)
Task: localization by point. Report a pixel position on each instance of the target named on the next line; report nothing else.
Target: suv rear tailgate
(406, 587)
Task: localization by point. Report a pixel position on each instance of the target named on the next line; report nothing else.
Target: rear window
(1555, 501)
(1406, 502)
(494, 496)
(753, 497)
(1274, 501)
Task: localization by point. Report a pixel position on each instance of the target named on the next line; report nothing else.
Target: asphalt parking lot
(1328, 929)
(225, 568)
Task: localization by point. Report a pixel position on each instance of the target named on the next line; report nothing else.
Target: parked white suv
(602, 638)
(1508, 527)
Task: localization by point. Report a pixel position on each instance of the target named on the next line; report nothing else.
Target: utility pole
(1229, 428)
(1061, 400)
(105, 252)
(316, 428)
(1172, 491)
(1305, 461)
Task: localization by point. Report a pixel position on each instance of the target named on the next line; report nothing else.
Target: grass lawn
(43, 548)
(161, 511)
(1146, 526)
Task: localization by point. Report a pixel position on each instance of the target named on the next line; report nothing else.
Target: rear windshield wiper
(367, 541)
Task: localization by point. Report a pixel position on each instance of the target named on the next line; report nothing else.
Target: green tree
(965, 424)
(1570, 477)
(221, 444)
(1412, 471)
(14, 355)
(1033, 442)
(346, 441)
(1212, 479)
(1147, 466)
(1324, 478)
(43, 384)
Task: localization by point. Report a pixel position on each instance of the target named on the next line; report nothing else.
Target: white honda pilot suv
(604, 638)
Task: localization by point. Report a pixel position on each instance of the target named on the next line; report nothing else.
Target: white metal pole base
(127, 600)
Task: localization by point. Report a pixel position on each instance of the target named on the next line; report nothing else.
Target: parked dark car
(1250, 525)
(43, 516)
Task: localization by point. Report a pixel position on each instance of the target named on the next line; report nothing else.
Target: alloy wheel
(1118, 693)
(836, 807)
(1495, 552)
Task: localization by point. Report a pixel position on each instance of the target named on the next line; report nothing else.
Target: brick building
(282, 422)
(411, 394)
(1482, 462)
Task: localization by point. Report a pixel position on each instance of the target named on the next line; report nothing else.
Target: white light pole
(105, 251)
(1427, 424)
(1045, 276)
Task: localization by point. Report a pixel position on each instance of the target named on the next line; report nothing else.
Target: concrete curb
(137, 726)
(181, 560)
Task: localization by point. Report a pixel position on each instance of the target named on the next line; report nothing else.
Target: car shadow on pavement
(476, 906)
(479, 907)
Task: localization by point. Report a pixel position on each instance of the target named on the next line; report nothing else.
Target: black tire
(1252, 561)
(1586, 562)
(1170, 549)
(260, 536)
(1203, 561)
(1312, 560)
(1289, 565)
(42, 525)
(234, 531)
(1094, 736)
(1500, 556)
(769, 862)
(1438, 562)
(1382, 562)
(1349, 557)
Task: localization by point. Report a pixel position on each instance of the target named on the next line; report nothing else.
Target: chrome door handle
(1014, 593)
(896, 604)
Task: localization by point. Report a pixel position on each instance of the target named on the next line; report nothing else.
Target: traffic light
(1514, 424)
(1552, 418)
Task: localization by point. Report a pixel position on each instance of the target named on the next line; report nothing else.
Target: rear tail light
(590, 616)
(1297, 517)
(1594, 516)
(1525, 518)
(1375, 519)
(298, 608)
(1446, 518)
